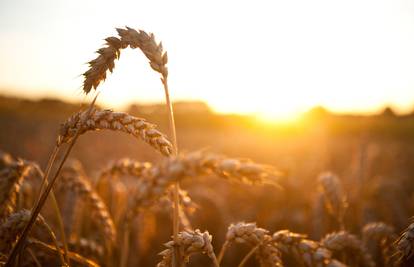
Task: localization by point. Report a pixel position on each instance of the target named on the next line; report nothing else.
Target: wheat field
(343, 200)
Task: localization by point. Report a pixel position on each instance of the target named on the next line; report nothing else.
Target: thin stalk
(125, 246)
(176, 222)
(74, 256)
(248, 255)
(222, 251)
(53, 236)
(54, 202)
(37, 262)
(35, 212)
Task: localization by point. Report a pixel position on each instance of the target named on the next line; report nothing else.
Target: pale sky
(276, 58)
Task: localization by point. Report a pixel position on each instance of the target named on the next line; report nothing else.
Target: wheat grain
(188, 243)
(344, 242)
(116, 121)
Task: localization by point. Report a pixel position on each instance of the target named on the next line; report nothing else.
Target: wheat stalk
(53, 250)
(188, 243)
(349, 244)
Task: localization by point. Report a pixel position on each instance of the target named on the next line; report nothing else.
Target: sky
(274, 58)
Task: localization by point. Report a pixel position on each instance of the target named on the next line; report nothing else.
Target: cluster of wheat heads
(101, 215)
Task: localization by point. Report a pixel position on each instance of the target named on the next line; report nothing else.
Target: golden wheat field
(178, 184)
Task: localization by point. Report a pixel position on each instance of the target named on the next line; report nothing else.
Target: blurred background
(307, 86)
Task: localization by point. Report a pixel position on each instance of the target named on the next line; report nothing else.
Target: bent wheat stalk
(158, 60)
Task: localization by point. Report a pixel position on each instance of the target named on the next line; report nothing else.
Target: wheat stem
(223, 250)
(35, 212)
(55, 205)
(248, 255)
(176, 222)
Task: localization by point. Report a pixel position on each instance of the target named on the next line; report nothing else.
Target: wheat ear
(381, 235)
(335, 199)
(161, 176)
(11, 178)
(13, 226)
(85, 121)
(405, 243)
(72, 179)
(349, 244)
(189, 242)
(309, 253)
(255, 237)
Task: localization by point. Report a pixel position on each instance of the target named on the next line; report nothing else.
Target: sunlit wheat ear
(335, 199)
(11, 178)
(349, 245)
(115, 121)
(104, 62)
(247, 233)
(161, 176)
(72, 179)
(307, 252)
(154, 51)
(99, 67)
(188, 243)
(405, 243)
(255, 237)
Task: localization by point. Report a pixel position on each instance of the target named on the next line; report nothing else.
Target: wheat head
(115, 121)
